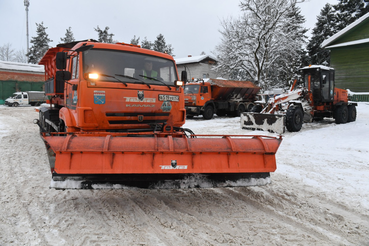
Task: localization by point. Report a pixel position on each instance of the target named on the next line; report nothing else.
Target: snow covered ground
(319, 195)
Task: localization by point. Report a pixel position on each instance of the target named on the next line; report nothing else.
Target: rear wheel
(294, 119)
(351, 113)
(341, 114)
(241, 109)
(208, 112)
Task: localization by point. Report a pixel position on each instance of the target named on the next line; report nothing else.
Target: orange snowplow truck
(115, 119)
(223, 97)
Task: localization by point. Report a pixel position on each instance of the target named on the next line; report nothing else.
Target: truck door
(72, 96)
(325, 86)
(25, 99)
(204, 94)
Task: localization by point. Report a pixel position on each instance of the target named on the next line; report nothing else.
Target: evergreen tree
(68, 36)
(146, 44)
(325, 27)
(40, 44)
(347, 11)
(104, 36)
(161, 46)
(135, 40)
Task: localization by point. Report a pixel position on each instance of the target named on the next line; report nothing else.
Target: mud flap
(265, 122)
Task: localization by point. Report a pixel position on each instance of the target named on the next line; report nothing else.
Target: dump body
(114, 121)
(223, 97)
(316, 99)
(26, 98)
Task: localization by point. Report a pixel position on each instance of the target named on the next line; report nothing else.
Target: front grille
(136, 118)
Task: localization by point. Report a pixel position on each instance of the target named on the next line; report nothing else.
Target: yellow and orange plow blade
(134, 159)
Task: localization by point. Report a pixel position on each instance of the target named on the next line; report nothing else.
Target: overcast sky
(190, 26)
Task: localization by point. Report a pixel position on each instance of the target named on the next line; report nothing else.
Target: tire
(15, 104)
(256, 108)
(208, 112)
(351, 113)
(294, 119)
(241, 109)
(341, 114)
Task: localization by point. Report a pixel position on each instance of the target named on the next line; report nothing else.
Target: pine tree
(68, 36)
(161, 46)
(135, 40)
(104, 36)
(325, 27)
(146, 44)
(40, 44)
(347, 11)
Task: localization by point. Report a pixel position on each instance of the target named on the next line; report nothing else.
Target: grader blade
(265, 122)
(89, 161)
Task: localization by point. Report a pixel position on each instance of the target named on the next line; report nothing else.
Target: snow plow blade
(265, 122)
(89, 161)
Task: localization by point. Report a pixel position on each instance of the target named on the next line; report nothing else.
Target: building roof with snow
(198, 67)
(21, 67)
(195, 59)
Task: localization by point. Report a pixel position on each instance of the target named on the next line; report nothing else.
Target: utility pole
(26, 3)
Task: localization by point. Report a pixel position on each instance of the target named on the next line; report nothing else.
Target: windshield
(191, 89)
(129, 67)
(314, 79)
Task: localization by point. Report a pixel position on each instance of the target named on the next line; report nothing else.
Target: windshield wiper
(111, 76)
(148, 77)
(126, 76)
(130, 77)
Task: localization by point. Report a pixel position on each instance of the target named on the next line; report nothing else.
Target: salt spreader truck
(219, 96)
(111, 122)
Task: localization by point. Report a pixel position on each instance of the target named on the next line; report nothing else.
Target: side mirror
(62, 76)
(61, 60)
(184, 76)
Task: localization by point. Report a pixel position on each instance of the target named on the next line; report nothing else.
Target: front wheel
(15, 104)
(294, 119)
(208, 112)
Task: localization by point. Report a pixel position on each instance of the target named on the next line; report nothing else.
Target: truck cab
(112, 87)
(196, 97)
(320, 81)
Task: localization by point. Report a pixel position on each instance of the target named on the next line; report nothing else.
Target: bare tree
(20, 56)
(253, 45)
(6, 52)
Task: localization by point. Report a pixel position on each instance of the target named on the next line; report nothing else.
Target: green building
(16, 76)
(350, 55)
